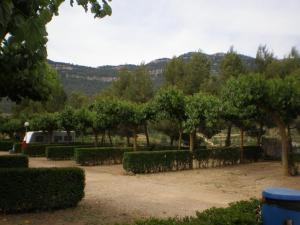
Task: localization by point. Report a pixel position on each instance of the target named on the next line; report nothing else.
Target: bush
(99, 156)
(24, 190)
(6, 145)
(13, 161)
(253, 153)
(35, 150)
(295, 157)
(216, 157)
(157, 161)
(239, 213)
(60, 152)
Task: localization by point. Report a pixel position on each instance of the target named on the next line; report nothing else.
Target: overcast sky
(143, 30)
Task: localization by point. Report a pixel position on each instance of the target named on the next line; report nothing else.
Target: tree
(202, 111)
(174, 72)
(11, 126)
(231, 66)
(264, 57)
(77, 100)
(84, 121)
(46, 122)
(23, 39)
(278, 98)
(169, 103)
(67, 120)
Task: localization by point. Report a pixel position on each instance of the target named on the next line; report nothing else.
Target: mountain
(91, 80)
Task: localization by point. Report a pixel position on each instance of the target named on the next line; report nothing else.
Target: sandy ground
(114, 197)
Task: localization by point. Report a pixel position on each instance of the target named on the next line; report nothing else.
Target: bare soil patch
(112, 196)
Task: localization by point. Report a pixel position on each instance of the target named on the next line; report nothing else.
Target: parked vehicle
(32, 137)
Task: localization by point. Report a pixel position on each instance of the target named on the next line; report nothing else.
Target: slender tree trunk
(180, 136)
(134, 139)
(290, 137)
(96, 137)
(50, 136)
(109, 137)
(69, 135)
(260, 133)
(242, 144)
(192, 141)
(228, 137)
(147, 134)
(103, 138)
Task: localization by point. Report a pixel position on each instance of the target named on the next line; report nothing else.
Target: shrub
(35, 150)
(60, 152)
(99, 156)
(239, 213)
(157, 161)
(6, 145)
(13, 161)
(216, 157)
(295, 157)
(253, 153)
(160, 148)
(23, 190)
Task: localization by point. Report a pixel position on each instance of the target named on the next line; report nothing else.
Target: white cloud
(142, 30)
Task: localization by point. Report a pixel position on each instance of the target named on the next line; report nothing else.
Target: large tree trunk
(242, 144)
(228, 136)
(103, 138)
(290, 137)
(284, 142)
(146, 134)
(192, 141)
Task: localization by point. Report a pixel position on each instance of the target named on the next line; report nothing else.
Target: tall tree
(264, 57)
(169, 103)
(278, 98)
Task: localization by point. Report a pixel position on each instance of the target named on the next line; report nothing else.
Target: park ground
(112, 196)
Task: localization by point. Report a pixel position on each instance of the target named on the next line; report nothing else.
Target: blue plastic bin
(281, 206)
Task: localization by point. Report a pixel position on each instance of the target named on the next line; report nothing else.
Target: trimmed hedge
(160, 148)
(238, 213)
(60, 152)
(157, 161)
(216, 157)
(253, 153)
(13, 161)
(35, 150)
(99, 156)
(295, 157)
(24, 190)
(6, 145)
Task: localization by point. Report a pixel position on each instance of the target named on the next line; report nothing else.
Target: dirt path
(111, 196)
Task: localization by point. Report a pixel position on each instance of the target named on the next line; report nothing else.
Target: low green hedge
(99, 156)
(35, 150)
(253, 153)
(239, 213)
(13, 161)
(157, 161)
(160, 148)
(216, 157)
(295, 157)
(24, 190)
(6, 145)
(60, 152)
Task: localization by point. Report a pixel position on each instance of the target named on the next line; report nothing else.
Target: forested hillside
(91, 80)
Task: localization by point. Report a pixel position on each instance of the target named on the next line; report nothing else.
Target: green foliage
(60, 152)
(77, 100)
(264, 57)
(6, 145)
(135, 86)
(232, 65)
(157, 161)
(99, 156)
(169, 103)
(67, 119)
(24, 190)
(202, 111)
(45, 122)
(11, 126)
(13, 161)
(238, 213)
